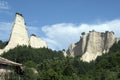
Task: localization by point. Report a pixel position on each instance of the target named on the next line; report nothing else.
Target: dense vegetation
(3, 44)
(45, 64)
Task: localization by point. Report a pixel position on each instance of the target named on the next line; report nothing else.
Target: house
(8, 67)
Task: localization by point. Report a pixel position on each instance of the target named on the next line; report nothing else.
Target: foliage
(52, 65)
(3, 44)
(29, 74)
(22, 54)
(115, 48)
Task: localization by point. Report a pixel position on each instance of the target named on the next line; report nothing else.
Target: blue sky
(60, 22)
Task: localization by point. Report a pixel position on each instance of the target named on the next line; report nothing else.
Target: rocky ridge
(19, 36)
(92, 45)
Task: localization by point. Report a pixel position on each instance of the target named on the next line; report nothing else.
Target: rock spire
(19, 35)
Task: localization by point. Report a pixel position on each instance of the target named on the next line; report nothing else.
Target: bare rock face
(64, 53)
(92, 45)
(37, 42)
(1, 51)
(19, 36)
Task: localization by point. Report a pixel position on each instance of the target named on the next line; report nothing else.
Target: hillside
(52, 65)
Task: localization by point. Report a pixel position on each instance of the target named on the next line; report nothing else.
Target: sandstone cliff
(19, 36)
(37, 42)
(92, 45)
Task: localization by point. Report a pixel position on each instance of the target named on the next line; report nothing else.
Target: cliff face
(92, 45)
(37, 42)
(19, 36)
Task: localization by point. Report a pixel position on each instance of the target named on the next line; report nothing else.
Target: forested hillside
(45, 64)
(3, 44)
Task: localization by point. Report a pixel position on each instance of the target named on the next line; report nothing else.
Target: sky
(61, 22)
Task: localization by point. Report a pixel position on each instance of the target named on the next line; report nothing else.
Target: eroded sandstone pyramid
(92, 45)
(37, 42)
(19, 36)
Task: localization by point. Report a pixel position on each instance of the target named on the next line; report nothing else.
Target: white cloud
(5, 8)
(4, 5)
(60, 36)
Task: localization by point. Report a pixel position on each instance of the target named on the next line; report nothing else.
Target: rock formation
(92, 45)
(19, 36)
(64, 53)
(37, 42)
(1, 51)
